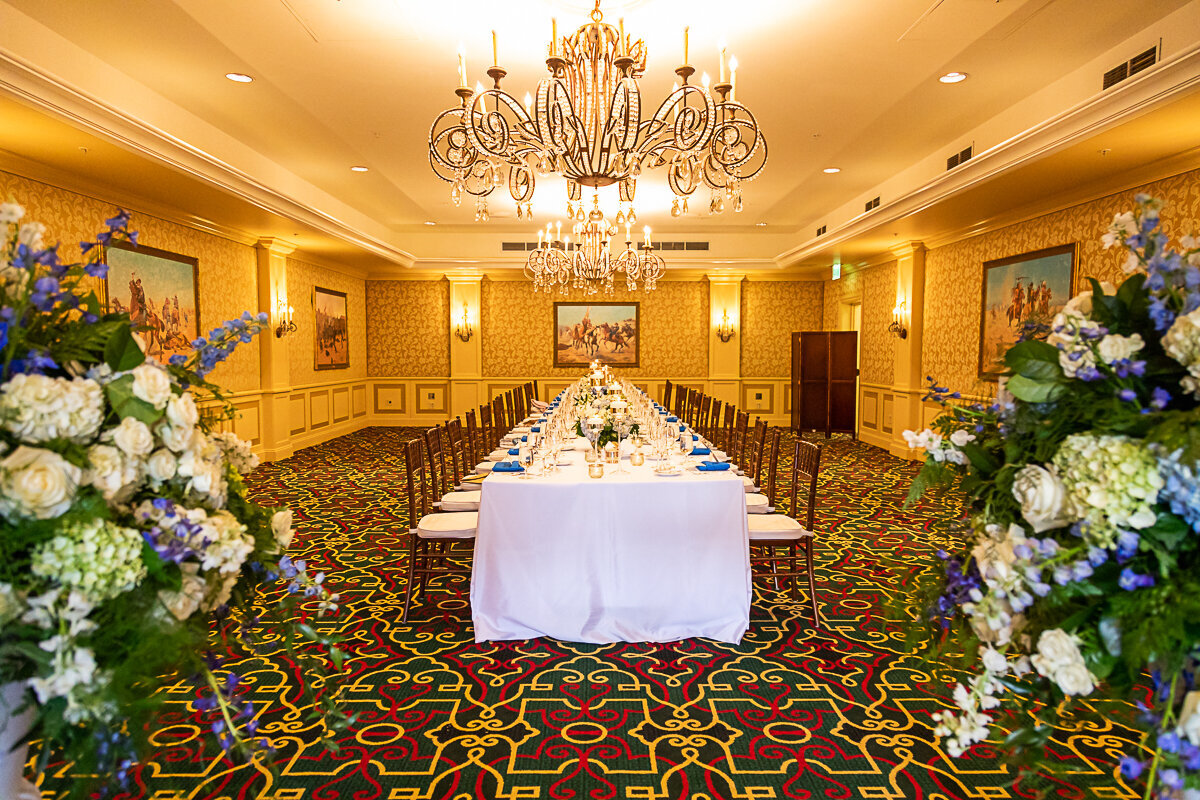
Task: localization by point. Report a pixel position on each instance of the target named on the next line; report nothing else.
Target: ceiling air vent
(526, 246)
(872, 204)
(959, 158)
(821, 230)
(1133, 66)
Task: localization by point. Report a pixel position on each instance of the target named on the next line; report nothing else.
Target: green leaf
(126, 404)
(1035, 360)
(1034, 391)
(121, 352)
(981, 459)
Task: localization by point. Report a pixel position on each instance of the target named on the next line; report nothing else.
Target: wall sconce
(283, 313)
(463, 329)
(726, 330)
(899, 326)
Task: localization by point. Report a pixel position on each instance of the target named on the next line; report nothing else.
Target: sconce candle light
(283, 313)
(463, 329)
(899, 325)
(726, 330)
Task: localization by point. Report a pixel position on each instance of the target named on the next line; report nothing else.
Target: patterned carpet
(788, 713)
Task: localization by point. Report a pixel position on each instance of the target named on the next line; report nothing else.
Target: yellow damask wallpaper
(875, 288)
(518, 329)
(301, 278)
(771, 311)
(408, 333)
(954, 273)
(228, 282)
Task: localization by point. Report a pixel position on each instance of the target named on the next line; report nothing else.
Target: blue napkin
(536, 429)
(701, 451)
(662, 411)
(682, 427)
(507, 466)
(672, 419)
(695, 437)
(514, 451)
(711, 466)
(525, 438)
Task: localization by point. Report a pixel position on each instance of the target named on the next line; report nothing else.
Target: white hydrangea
(96, 558)
(996, 615)
(281, 526)
(10, 213)
(35, 408)
(939, 448)
(202, 464)
(1058, 658)
(230, 543)
(161, 466)
(37, 483)
(1182, 343)
(187, 601)
(1113, 347)
(11, 605)
(182, 412)
(32, 235)
(1110, 481)
(1073, 332)
(236, 451)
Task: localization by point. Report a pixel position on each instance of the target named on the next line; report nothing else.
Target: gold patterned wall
(875, 288)
(771, 312)
(408, 330)
(301, 278)
(228, 282)
(518, 329)
(954, 273)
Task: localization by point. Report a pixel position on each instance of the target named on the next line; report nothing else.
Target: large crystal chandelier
(588, 262)
(585, 123)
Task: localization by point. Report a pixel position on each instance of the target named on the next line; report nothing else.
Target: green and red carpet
(791, 712)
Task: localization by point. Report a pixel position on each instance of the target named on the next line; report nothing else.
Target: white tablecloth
(629, 557)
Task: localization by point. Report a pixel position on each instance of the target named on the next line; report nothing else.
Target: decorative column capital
(906, 249)
(276, 246)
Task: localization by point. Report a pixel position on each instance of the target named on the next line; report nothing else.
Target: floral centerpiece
(612, 408)
(124, 523)
(1080, 578)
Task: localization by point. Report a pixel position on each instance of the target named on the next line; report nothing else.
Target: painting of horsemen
(1021, 295)
(604, 332)
(332, 329)
(159, 289)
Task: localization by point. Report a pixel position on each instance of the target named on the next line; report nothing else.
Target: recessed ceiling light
(953, 77)
(358, 168)
(430, 222)
(832, 170)
(239, 77)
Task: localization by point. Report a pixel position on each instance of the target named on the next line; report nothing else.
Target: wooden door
(824, 381)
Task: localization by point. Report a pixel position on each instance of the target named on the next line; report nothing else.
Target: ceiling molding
(1170, 80)
(40, 89)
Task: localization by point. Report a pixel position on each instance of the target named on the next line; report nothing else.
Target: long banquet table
(632, 556)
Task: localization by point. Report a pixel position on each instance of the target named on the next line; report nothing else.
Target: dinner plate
(675, 473)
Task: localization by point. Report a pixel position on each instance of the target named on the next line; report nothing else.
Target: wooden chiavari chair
(511, 403)
(500, 423)
(727, 429)
(474, 444)
(752, 455)
(668, 390)
(701, 424)
(714, 423)
(763, 502)
(432, 551)
(738, 440)
(458, 499)
(770, 533)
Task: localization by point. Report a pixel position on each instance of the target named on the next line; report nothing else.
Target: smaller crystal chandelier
(589, 264)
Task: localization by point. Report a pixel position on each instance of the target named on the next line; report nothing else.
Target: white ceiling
(845, 83)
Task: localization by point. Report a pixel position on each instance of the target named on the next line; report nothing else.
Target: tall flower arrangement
(1080, 576)
(125, 528)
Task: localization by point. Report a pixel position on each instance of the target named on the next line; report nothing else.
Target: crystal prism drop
(632, 218)
(737, 205)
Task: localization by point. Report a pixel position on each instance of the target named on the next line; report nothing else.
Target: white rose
(133, 437)
(187, 600)
(961, 437)
(1190, 727)
(281, 526)
(37, 483)
(1074, 679)
(1056, 649)
(1114, 348)
(182, 412)
(151, 383)
(1041, 494)
(176, 439)
(30, 234)
(994, 661)
(161, 466)
(109, 471)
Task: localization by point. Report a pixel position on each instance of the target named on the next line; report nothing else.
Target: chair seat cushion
(460, 501)
(456, 525)
(498, 455)
(775, 526)
(748, 484)
(485, 467)
(758, 504)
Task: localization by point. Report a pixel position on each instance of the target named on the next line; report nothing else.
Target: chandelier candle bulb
(733, 65)
(723, 63)
(705, 81)
(495, 50)
(685, 45)
(462, 67)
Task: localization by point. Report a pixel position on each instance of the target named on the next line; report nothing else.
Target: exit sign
(837, 270)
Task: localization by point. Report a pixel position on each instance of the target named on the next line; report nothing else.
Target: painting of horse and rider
(1021, 295)
(604, 332)
(159, 289)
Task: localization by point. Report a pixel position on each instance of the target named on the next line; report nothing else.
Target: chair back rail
(806, 463)
(472, 442)
(435, 452)
(457, 445)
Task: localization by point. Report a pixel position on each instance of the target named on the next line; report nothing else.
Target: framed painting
(161, 292)
(331, 342)
(604, 332)
(1026, 289)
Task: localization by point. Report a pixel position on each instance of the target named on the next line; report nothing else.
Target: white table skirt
(630, 557)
